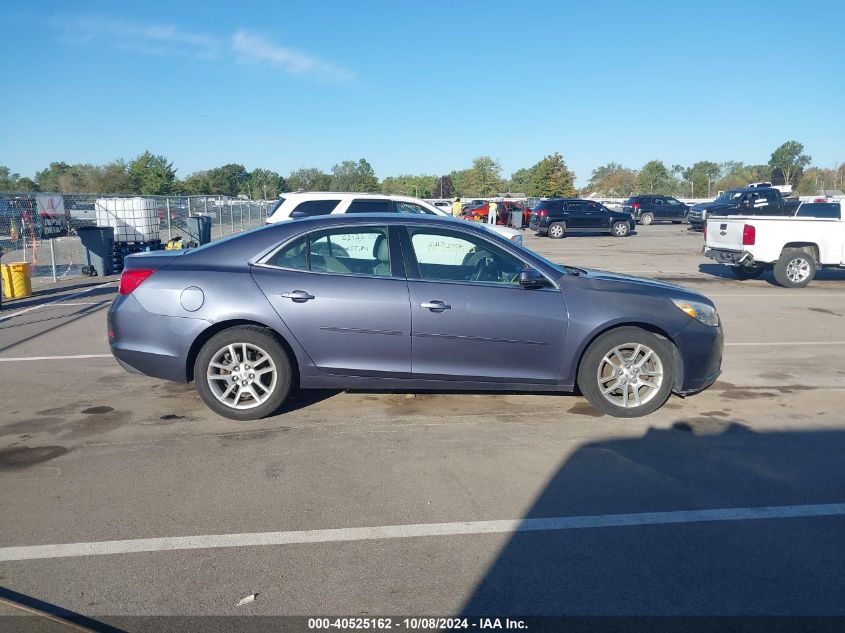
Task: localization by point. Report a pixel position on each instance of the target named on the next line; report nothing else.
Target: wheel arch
(643, 325)
(216, 328)
(814, 248)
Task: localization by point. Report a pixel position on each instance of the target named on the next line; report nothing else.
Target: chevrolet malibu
(404, 303)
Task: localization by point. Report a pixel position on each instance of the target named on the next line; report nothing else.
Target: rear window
(829, 210)
(546, 204)
(363, 205)
(275, 206)
(309, 208)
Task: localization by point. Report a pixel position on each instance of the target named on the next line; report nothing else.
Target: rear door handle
(299, 296)
(436, 305)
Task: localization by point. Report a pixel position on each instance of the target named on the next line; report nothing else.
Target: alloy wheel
(797, 270)
(242, 375)
(630, 375)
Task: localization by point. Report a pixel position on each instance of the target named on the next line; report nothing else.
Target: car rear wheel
(795, 268)
(627, 372)
(620, 229)
(243, 373)
(646, 219)
(557, 231)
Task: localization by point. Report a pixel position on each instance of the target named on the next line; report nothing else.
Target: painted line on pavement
(781, 344)
(134, 546)
(49, 303)
(28, 358)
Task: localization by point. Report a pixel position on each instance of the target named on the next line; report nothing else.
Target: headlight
(517, 239)
(700, 311)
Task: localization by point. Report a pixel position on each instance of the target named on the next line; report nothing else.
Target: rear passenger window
(292, 256)
(363, 205)
(363, 251)
(309, 208)
(410, 207)
(572, 206)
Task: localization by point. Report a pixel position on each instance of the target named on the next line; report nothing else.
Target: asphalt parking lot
(453, 485)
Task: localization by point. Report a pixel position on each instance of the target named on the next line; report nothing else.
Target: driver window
(443, 255)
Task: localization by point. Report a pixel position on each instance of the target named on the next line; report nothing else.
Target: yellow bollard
(17, 280)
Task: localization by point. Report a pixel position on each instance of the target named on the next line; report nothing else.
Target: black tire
(646, 219)
(747, 272)
(557, 230)
(620, 229)
(593, 362)
(795, 268)
(256, 337)
(676, 221)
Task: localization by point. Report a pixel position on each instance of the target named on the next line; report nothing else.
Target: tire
(646, 219)
(631, 343)
(557, 230)
(620, 229)
(275, 379)
(744, 272)
(795, 268)
(677, 221)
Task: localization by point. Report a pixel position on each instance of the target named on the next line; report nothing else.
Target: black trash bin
(198, 228)
(98, 242)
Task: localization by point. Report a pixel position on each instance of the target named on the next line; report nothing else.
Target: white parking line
(133, 546)
(782, 343)
(28, 358)
(49, 303)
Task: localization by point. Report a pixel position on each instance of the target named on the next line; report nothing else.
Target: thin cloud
(252, 48)
(149, 39)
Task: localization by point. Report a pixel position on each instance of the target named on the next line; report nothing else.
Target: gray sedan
(404, 303)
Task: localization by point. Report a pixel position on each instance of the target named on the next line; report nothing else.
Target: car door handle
(436, 305)
(299, 296)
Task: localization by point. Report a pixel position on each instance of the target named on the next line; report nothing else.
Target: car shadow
(723, 272)
(38, 615)
(605, 557)
(303, 398)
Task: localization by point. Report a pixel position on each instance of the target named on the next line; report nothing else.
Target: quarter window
(444, 255)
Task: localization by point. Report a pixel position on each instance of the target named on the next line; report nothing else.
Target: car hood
(713, 206)
(614, 282)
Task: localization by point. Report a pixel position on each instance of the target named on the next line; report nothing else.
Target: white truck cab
(794, 247)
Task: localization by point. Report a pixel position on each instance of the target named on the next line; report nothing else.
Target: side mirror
(297, 214)
(530, 278)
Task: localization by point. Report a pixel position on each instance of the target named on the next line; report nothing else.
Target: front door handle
(436, 305)
(299, 296)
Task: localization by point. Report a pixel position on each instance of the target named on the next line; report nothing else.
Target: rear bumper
(151, 344)
(540, 228)
(729, 257)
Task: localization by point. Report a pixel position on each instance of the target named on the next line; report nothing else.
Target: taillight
(541, 213)
(705, 232)
(749, 235)
(131, 279)
(635, 205)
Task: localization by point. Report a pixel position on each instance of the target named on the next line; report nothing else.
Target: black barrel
(198, 228)
(98, 242)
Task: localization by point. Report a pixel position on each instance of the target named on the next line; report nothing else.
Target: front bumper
(701, 348)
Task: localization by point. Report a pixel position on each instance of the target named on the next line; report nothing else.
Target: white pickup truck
(793, 247)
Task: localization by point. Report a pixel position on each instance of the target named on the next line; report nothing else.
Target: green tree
(790, 160)
(654, 178)
(410, 185)
(114, 177)
(702, 177)
(484, 178)
(552, 178)
(354, 176)
(458, 178)
(309, 179)
(9, 181)
(228, 180)
(612, 180)
(152, 175)
(265, 184)
(195, 184)
(444, 188)
(522, 180)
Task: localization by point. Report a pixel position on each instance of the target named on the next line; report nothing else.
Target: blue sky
(420, 87)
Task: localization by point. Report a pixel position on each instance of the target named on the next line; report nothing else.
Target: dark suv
(558, 216)
(647, 209)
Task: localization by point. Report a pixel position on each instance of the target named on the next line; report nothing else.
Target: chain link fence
(41, 229)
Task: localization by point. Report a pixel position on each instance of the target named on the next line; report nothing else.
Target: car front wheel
(646, 219)
(627, 372)
(243, 373)
(620, 229)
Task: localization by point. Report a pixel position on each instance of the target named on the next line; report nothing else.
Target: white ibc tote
(133, 219)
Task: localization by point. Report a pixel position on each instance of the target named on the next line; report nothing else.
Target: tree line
(150, 174)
